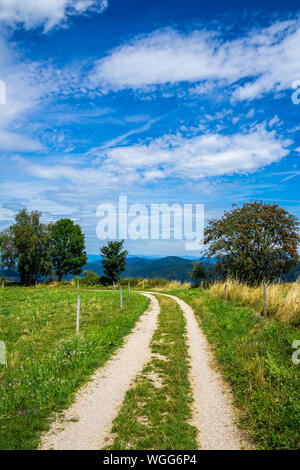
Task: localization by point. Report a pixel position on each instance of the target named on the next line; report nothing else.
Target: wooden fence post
(265, 296)
(225, 290)
(77, 284)
(3, 284)
(78, 315)
(128, 289)
(3, 353)
(121, 298)
(114, 286)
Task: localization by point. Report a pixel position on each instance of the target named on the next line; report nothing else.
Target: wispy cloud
(13, 141)
(46, 13)
(6, 214)
(175, 156)
(30, 87)
(267, 60)
(292, 175)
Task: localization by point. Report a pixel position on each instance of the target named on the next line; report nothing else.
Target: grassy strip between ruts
(156, 410)
(46, 362)
(255, 355)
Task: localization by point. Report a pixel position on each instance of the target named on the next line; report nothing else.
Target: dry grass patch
(283, 300)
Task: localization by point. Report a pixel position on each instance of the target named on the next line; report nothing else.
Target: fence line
(265, 296)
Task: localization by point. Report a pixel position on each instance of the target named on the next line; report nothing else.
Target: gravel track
(88, 421)
(213, 413)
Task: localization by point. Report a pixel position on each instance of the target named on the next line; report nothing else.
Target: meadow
(254, 354)
(253, 347)
(282, 300)
(46, 361)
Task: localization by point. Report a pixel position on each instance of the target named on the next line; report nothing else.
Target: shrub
(91, 279)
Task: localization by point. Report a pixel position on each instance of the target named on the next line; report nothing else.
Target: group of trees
(253, 243)
(36, 249)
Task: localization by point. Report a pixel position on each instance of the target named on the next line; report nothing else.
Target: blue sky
(162, 101)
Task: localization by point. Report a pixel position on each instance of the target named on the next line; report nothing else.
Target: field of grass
(255, 356)
(155, 284)
(156, 410)
(283, 300)
(46, 362)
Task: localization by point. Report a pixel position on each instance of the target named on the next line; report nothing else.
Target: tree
(25, 245)
(199, 271)
(255, 242)
(8, 250)
(113, 260)
(67, 251)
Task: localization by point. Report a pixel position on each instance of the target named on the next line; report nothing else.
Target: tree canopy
(199, 271)
(68, 253)
(25, 245)
(254, 243)
(113, 259)
(35, 248)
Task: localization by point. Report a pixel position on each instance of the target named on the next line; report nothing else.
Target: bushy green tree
(255, 242)
(25, 246)
(68, 253)
(113, 260)
(8, 250)
(199, 271)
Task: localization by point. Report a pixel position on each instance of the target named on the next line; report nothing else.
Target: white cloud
(268, 60)
(203, 155)
(174, 156)
(30, 86)
(47, 206)
(275, 121)
(47, 13)
(11, 141)
(6, 214)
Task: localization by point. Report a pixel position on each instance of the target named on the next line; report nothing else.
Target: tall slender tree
(113, 259)
(68, 253)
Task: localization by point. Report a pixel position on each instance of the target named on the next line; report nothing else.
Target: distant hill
(10, 275)
(170, 267)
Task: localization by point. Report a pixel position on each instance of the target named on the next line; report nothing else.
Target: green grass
(156, 410)
(46, 362)
(255, 355)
